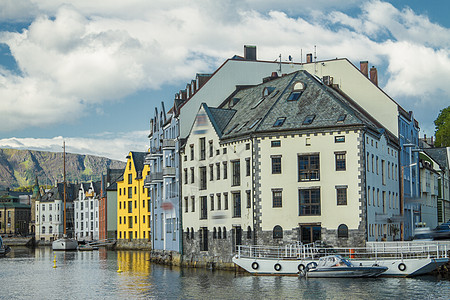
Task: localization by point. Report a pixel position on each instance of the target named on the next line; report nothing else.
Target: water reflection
(28, 274)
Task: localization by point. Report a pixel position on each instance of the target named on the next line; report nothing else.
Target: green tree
(442, 124)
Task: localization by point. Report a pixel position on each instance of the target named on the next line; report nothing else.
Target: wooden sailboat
(65, 243)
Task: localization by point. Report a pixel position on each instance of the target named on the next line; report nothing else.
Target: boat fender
(301, 267)
(255, 266)
(277, 267)
(311, 265)
(402, 267)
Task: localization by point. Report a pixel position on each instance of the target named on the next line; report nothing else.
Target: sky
(91, 72)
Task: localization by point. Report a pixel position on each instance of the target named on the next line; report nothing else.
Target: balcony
(169, 172)
(153, 178)
(153, 154)
(168, 144)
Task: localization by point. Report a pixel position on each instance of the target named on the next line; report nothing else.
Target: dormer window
(266, 92)
(309, 119)
(279, 122)
(254, 123)
(297, 90)
(341, 118)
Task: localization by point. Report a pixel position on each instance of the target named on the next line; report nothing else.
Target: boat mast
(64, 178)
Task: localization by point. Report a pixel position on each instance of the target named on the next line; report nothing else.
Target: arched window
(224, 233)
(192, 233)
(277, 232)
(50, 218)
(219, 233)
(214, 233)
(187, 233)
(50, 230)
(342, 231)
(43, 218)
(43, 229)
(249, 232)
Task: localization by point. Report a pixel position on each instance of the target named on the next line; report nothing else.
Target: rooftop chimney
(374, 75)
(249, 52)
(309, 58)
(364, 67)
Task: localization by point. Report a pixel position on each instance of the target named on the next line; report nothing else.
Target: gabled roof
(138, 159)
(317, 102)
(439, 155)
(219, 117)
(57, 193)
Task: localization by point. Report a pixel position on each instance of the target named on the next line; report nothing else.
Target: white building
(49, 212)
(87, 211)
(288, 160)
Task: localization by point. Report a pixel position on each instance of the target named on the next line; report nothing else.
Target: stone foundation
(133, 244)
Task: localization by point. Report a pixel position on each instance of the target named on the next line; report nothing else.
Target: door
(310, 233)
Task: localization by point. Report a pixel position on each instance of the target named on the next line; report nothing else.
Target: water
(29, 274)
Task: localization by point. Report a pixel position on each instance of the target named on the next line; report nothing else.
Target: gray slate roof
(317, 99)
(439, 155)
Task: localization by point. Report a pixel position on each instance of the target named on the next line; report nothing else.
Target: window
(308, 167)
(236, 204)
(130, 178)
(192, 175)
(276, 165)
(236, 168)
(192, 203)
(211, 149)
(294, 96)
(130, 206)
(203, 207)
(130, 222)
(249, 232)
(211, 197)
(43, 229)
(185, 176)
(219, 202)
(224, 151)
(202, 148)
(202, 176)
(186, 204)
(277, 232)
(340, 161)
(249, 198)
(219, 233)
(341, 195)
(279, 122)
(214, 233)
(130, 192)
(342, 231)
(225, 170)
(383, 173)
(225, 200)
(275, 143)
(308, 119)
(341, 118)
(254, 123)
(277, 198)
(339, 139)
(217, 171)
(247, 167)
(309, 202)
(192, 151)
(211, 172)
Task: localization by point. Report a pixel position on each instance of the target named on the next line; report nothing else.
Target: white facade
(49, 220)
(429, 190)
(86, 212)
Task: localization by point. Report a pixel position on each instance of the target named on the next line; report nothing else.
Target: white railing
(372, 251)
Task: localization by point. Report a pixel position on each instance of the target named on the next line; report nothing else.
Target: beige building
(288, 160)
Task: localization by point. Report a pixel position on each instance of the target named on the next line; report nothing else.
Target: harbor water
(30, 274)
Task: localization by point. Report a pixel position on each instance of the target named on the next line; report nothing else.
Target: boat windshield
(333, 261)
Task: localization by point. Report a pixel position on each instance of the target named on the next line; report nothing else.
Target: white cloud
(78, 56)
(111, 145)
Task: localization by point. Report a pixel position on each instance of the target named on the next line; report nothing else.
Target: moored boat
(402, 259)
(64, 244)
(4, 249)
(335, 266)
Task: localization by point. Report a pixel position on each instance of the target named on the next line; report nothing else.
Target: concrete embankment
(172, 258)
(18, 241)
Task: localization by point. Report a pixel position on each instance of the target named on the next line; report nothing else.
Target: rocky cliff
(19, 167)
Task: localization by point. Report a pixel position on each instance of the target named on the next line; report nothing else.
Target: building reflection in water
(136, 268)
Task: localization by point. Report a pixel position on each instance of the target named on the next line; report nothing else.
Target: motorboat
(4, 249)
(336, 266)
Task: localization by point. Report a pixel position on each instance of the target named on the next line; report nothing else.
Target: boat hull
(346, 272)
(396, 267)
(64, 244)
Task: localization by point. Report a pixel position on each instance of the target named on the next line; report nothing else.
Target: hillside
(19, 167)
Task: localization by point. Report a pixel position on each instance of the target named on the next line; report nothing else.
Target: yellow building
(133, 207)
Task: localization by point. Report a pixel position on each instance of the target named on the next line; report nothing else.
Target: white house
(86, 212)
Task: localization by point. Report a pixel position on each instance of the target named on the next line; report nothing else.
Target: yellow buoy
(119, 271)
(54, 262)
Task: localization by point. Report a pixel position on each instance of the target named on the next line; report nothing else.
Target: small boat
(4, 249)
(336, 266)
(64, 244)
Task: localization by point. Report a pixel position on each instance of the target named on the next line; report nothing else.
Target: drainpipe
(180, 202)
(252, 138)
(365, 185)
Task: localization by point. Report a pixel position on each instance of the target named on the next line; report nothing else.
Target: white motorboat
(401, 259)
(335, 266)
